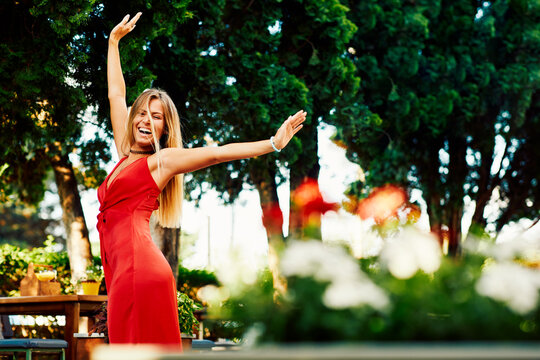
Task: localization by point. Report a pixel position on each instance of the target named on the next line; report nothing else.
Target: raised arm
(180, 160)
(116, 84)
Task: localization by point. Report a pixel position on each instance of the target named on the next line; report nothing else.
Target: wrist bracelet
(274, 145)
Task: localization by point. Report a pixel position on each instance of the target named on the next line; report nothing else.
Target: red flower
(307, 198)
(383, 203)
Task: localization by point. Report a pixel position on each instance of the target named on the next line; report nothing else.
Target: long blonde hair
(171, 197)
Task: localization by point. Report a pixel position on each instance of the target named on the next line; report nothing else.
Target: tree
(54, 69)
(448, 105)
(159, 18)
(237, 69)
(40, 108)
(22, 226)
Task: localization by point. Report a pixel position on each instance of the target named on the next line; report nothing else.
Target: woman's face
(142, 129)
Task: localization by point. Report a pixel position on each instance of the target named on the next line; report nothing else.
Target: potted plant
(186, 318)
(92, 280)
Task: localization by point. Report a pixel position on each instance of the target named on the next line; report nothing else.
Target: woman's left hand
(290, 127)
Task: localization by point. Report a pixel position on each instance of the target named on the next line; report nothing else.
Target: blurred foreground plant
(408, 293)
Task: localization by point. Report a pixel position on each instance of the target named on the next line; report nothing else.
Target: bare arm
(115, 82)
(178, 160)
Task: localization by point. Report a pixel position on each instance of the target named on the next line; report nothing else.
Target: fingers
(133, 21)
(297, 119)
(291, 126)
(126, 24)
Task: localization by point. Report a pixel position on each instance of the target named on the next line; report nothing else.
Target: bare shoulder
(153, 159)
(166, 157)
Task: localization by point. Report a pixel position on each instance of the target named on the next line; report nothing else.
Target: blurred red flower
(307, 199)
(383, 203)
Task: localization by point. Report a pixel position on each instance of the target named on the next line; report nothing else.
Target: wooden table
(72, 306)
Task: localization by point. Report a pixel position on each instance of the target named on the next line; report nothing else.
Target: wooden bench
(29, 346)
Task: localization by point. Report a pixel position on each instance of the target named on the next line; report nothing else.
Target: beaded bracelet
(273, 145)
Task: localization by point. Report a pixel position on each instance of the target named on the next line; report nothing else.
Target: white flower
(213, 295)
(253, 335)
(238, 273)
(317, 260)
(347, 294)
(513, 284)
(505, 250)
(413, 250)
(348, 285)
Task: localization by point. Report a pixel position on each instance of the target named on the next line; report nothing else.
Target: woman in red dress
(142, 304)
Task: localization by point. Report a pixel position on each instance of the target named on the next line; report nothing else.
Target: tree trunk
(308, 167)
(486, 147)
(264, 178)
(272, 214)
(434, 218)
(263, 174)
(457, 173)
(168, 241)
(454, 231)
(78, 243)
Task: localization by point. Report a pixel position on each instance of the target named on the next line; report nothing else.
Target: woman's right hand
(123, 28)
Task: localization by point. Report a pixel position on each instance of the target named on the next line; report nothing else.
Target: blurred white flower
(527, 249)
(253, 335)
(213, 295)
(347, 294)
(411, 251)
(315, 259)
(238, 273)
(511, 283)
(348, 285)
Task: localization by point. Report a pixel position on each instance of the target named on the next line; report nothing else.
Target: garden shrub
(190, 281)
(14, 265)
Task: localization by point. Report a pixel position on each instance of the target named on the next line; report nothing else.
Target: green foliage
(239, 71)
(445, 307)
(14, 264)
(441, 306)
(446, 82)
(186, 317)
(191, 280)
(38, 107)
(94, 272)
(53, 69)
(22, 226)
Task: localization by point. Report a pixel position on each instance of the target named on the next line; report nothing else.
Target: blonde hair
(171, 197)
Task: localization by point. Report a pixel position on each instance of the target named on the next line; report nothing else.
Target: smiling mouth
(145, 131)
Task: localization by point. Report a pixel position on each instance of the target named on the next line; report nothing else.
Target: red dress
(142, 305)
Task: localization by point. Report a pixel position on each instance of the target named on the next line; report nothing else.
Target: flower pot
(85, 344)
(186, 342)
(90, 287)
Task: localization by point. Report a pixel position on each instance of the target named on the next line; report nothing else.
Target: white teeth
(144, 131)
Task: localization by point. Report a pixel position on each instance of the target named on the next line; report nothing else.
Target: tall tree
(160, 18)
(238, 68)
(448, 105)
(53, 69)
(40, 108)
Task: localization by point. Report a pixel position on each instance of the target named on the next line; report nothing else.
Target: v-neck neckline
(109, 184)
